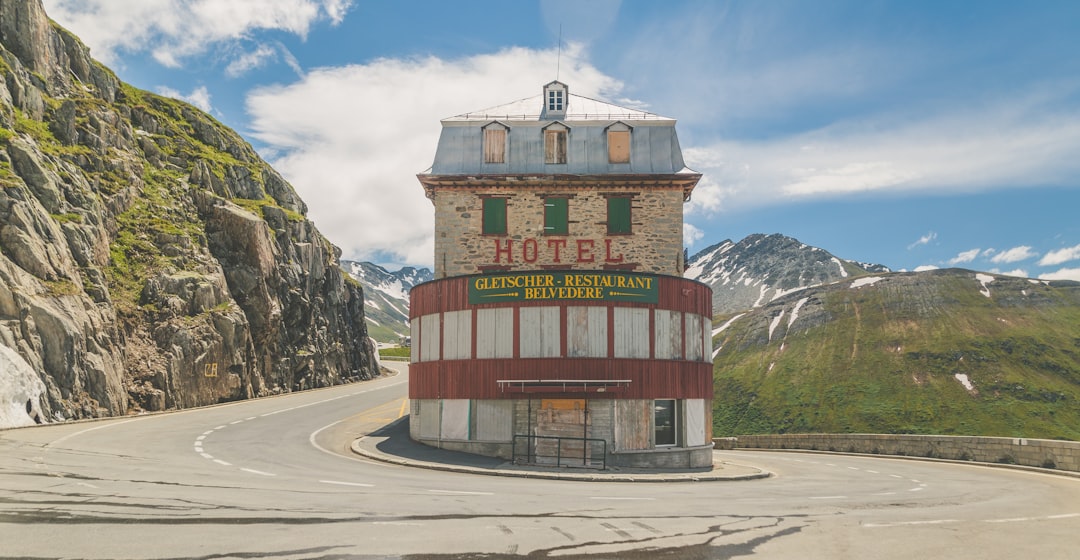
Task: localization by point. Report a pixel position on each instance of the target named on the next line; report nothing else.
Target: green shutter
(618, 215)
(556, 212)
(494, 215)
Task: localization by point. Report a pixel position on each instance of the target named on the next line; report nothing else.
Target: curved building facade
(558, 329)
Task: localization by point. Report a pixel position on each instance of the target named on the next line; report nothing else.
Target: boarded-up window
(556, 216)
(495, 333)
(586, 332)
(618, 215)
(631, 332)
(669, 335)
(554, 146)
(697, 414)
(455, 419)
(493, 419)
(618, 146)
(540, 332)
(633, 423)
(457, 335)
(494, 216)
(494, 145)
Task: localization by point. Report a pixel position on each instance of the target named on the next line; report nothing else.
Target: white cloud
(1016, 254)
(250, 60)
(1060, 256)
(965, 257)
(351, 139)
(199, 97)
(1063, 274)
(174, 30)
(1018, 272)
(1014, 143)
(691, 235)
(923, 240)
(925, 267)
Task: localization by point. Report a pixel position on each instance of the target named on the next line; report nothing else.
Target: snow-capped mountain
(386, 297)
(761, 268)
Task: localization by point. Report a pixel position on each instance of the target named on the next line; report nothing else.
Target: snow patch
(18, 384)
(781, 293)
(775, 323)
(761, 296)
(715, 352)
(371, 303)
(795, 312)
(865, 281)
(963, 379)
(843, 273)
(984, 279)
(772, 365)
(721, 328)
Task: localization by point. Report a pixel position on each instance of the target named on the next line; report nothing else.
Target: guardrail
(1043, 453)
(561, 451)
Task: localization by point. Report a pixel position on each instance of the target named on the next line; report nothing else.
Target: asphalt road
(273, 478)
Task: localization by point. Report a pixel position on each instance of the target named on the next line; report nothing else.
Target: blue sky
(911, 134)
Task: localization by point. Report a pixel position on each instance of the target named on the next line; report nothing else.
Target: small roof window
(556, 98)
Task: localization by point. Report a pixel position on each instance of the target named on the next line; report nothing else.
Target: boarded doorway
(561, 426)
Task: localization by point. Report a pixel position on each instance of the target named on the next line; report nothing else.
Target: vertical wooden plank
(429, 418)
(550, 332)
(693, 336)
(695, 422)
(494, 420)
(662, 318)
(577, 332)
(633, 424)
(598, 332)
(631, 332)
(529, 343)
(457, 331)
(455, 419)
(414, 340)
(706, 339)
(429, 337)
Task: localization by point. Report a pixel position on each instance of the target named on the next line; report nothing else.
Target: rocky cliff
(149, 259)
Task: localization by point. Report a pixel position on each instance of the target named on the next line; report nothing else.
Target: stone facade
(655, 246)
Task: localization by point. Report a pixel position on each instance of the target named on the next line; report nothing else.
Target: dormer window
(556, 100)
(618, 143)
(495, 143)
(555, 141)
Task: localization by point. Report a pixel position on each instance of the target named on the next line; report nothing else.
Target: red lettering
(525, 250)
(607, 253)
(556, 244)
(584, 250)
(500, 251)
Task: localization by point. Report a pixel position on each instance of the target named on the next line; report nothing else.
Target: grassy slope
(887, 360)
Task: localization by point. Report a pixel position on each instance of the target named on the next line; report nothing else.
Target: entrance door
(561, 426)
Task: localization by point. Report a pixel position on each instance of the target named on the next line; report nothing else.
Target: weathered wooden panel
(429, 337)
(694, 337)
(457, 335)
(706, 339)
(414, 341)
(478, 379)
(669, 340)
(696, 417)
(494, 420)
(455, 419)
(540, 332)
(429, 418)
(560, 418)
(633, 424)
(631, 332)
(495, 333)
(586, 332)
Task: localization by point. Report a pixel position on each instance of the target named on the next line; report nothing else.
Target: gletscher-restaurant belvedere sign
(562, 285)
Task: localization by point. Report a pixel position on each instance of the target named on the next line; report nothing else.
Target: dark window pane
(665, 421)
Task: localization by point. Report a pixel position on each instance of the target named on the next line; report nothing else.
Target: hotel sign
(563, 285)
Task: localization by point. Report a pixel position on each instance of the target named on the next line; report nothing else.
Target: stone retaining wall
(1054, 454)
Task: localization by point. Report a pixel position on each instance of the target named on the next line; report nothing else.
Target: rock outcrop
(149, 259)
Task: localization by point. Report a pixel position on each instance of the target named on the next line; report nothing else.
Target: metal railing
(560, 451)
